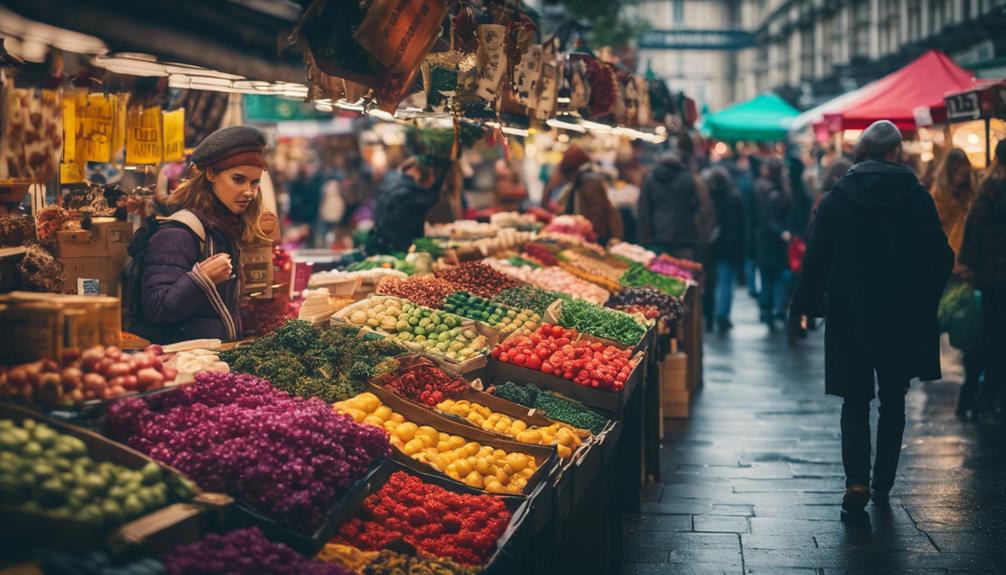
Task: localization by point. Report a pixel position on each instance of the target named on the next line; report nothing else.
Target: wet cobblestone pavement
(752, 483)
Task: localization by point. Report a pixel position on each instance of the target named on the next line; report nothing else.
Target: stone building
(722, 51)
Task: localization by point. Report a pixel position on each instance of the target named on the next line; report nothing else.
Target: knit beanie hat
(574, 157)
(878, 140)
(230, 147)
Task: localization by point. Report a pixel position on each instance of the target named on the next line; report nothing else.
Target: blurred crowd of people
(746, 214)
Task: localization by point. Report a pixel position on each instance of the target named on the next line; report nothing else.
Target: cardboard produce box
(611, 402)
(468, 366)
(342, 510)
(545, 456)
(45, 324)
(156, 532)
(36, 330)
(508, 545)
(105, 270)
(106, 237)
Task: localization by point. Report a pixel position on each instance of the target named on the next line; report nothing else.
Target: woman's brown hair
(196, 194)
(943, 183)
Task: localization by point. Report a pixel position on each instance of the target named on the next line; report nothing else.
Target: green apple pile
(47, 472)
(421, 328)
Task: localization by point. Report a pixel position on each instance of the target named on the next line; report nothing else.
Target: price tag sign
(143, 136)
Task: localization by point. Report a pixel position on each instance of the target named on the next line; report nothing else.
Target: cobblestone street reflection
(753, 482)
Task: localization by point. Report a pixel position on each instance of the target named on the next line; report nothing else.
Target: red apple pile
(560, 352)
(96, 373)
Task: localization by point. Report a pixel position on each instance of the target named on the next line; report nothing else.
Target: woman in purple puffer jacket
(190, 283)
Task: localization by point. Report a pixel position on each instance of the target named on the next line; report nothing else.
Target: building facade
(810, 50)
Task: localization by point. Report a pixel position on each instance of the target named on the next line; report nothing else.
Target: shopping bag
(797, 247)
(960, 315)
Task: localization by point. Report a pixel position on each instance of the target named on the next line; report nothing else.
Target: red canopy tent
(924, 82)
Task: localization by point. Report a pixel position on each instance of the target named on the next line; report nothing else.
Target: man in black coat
(403, 198)
(876, 265)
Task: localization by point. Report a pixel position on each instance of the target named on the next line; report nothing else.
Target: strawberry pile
(559, 351)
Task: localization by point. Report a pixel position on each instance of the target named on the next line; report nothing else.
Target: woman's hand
(217, 267)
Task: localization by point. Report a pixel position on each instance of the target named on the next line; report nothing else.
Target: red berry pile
(559, 351)
(426, 384)
(438, 522)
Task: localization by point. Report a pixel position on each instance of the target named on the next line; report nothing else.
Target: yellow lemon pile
(566, 439)
(482, 467)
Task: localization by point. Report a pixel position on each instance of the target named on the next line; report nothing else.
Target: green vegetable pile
(388, 262)
(638, 276)
(331, 364)
(530, 297)
(508, 319)
(428, 245)
(48, 472)
(602, 322)
(519, 261)
(555, 407)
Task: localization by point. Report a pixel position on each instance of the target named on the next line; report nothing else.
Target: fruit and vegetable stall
(496, 415)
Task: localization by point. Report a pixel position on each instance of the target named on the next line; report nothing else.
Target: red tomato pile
(558, 351)
(426, 384)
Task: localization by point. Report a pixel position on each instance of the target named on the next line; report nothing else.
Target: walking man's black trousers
(890, 430)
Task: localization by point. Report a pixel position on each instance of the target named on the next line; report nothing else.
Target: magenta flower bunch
(287, 457)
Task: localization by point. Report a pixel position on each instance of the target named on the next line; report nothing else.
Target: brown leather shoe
(856, 497)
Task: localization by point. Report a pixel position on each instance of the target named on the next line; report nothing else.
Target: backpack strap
(190, 220)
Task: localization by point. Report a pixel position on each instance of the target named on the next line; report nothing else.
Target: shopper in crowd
(403, 198)
(773, 203)
(583, 191)
(754, 164)
(803, 198)
(727, 248)
(189, 267)
(983, 259)
(875, 267)
(832, 173)
(508, 189)
(305, 191)
(953, 191)
(672, 214)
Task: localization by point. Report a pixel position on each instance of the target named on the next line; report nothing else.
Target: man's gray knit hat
(235, 142)
(880, 139)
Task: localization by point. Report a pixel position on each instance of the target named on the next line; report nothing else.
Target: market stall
(764, 118)
(488, 401)
(895, 97)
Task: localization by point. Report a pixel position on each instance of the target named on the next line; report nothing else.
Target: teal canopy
(765, 118)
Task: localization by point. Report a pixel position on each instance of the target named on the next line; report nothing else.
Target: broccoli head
(308, 387)
(296, 335)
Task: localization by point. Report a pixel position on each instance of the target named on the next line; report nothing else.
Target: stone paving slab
(752, 482)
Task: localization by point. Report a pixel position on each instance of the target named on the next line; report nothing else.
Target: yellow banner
(143, 136)
(96, 120)
(119, 129)
(69, 130)
(174, 135)
(69, 173)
